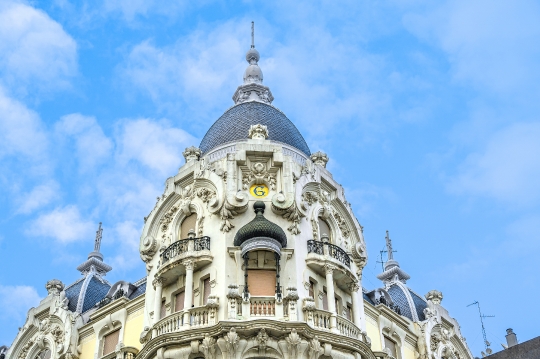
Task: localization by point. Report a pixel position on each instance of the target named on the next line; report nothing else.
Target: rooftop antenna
(482, 316)
(253, 34)
(382, 261)
(388, 250)
(97, 243)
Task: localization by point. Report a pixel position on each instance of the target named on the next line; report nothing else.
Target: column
(158, 284)
(188, 290)
(357, 305)
(331, 296)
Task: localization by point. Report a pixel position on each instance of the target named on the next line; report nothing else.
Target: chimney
(511, 338)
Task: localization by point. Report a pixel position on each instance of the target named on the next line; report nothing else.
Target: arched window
(44, 354)
(110, 341)
(390, 346)
(324, 229)
(190, 222)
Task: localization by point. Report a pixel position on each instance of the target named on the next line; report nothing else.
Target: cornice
(249, 328)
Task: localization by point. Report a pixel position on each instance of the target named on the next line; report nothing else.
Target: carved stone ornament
(205, 194)
(192, 153)
(315, 228)
(310, 197)
(258, 174)
(149, 247)
(231, 209)
(233, 293)
(262, 338)
(315, 348)
(231, 343)
(434, 296)
(285, 206)
(342, 224)
(292, 294)
(293, 340)
(258, 132)
(208, 347)
(319, 158)
(144, 337)
(54, 287)
(167, 218)
(309, 304)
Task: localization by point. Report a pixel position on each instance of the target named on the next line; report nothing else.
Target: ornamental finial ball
(259, 207)
(252, 55)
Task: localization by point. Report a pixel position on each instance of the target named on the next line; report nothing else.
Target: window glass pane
(311, 289)
(163, 310)
(187, 224)
(390, 344)
(206, 287)
(179, 301)
(110, 341)
(324, 228)
(262, 282)
(325, 301)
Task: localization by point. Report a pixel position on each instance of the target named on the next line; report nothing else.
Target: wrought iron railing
(117, 295)
(332, 250)
(183, 246)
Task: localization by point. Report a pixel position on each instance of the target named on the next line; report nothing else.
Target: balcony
(321, 254)
(195, 249)
(330, 250)
(322, 320)
(262, 307)
(198, 317)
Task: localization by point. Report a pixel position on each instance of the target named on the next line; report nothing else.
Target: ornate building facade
(252, 251)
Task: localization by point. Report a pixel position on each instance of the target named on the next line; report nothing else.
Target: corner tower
(253, 250)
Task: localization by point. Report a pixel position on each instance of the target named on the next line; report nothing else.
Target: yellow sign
(259, 190)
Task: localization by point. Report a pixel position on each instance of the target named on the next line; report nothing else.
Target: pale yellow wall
(373, 334)
(133, 329)
(408, 353)
(88, 346)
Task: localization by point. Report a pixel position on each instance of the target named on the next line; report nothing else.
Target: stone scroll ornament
(285, 207)
(228, 211)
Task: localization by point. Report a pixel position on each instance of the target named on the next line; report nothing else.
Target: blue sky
(429, 112)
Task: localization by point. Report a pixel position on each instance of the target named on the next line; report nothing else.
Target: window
(311, 289)
(206, 289)
(348, 312)
(110, 341)
(324, 300)
(188, 223)
(324, 228)
(179, 301)
(262, 282)
(163, 311)
(44, 354)
(391, 345)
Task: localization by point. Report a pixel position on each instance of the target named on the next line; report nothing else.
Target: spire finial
(389, 246)
(97, 243)
(253, 34)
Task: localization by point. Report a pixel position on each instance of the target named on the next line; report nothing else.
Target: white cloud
(21, 130)
(19, 299)
(493, 45)
(193, 69)
(39, 196)
(64, 224)
(34, 49)
(92, 146)
(507, 168)
(130, 9)
(155, 144)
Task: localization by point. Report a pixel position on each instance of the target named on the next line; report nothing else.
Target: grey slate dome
(234, 125)
(260, 233)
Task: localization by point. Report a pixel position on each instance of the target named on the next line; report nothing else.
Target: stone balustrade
(262, 306)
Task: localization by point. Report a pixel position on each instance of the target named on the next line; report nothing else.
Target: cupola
(260, 233)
